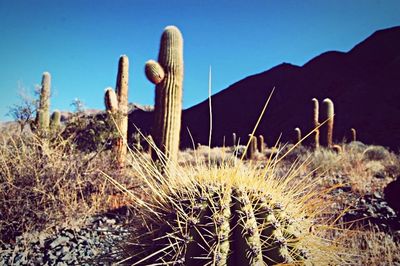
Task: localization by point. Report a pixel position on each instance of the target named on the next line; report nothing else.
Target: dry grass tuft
(47, 182)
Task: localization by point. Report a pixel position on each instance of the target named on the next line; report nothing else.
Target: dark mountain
(363, 83)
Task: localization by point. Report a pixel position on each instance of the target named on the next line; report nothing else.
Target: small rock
(59, 241)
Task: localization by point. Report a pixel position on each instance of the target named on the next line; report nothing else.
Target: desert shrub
(376, 153)
(356, 147)
(90, 133)
(44, 182)
(325, 160)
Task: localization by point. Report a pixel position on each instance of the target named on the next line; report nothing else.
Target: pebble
(80, 246)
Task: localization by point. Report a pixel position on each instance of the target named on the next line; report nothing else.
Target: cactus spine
(261, 144)
(55, 120)
(316, 122)
(167, 75)
(228, 217)
(353, 134)
(330, 114)
(43, 112)
(298, 134)
(116, 103)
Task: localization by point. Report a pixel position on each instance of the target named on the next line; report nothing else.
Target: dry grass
(45, 182)
(371, 247)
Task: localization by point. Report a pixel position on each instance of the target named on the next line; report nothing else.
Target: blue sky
(79, 42)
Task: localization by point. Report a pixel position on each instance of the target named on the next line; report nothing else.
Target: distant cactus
(316, 122)
(330, 115)
(353, 134)
(116, 103)
(55, 120)
(298, 133)
(252, 149)
(43, 112)
(261, 144)
(167, 75)
(234, 143)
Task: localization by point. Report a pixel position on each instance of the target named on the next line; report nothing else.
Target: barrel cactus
(167, 75)
(227, 215)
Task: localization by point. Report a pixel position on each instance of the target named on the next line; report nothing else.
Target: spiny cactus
(228, 216)
(298, 134)
(55, 120)
(167, 75)
(116, 103)
(316, 122)
(252, 148)
(353, 134)
(43, 112)
(261, 144)
(330, 114)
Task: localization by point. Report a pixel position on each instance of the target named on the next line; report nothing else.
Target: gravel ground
(94, 244)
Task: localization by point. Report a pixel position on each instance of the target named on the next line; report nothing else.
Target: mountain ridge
(363, 83)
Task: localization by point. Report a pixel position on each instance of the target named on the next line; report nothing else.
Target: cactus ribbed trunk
(121, 89)
(43, 112)
(168, 77)
(330, 114)
(316, 122)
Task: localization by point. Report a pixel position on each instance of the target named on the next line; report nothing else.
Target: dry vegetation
(46, 183)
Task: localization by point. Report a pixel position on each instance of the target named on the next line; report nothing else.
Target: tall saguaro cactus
(43, 112)
(167, 75)
(316, 122)
(330, 114)
(121, 89)
(116, 103)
